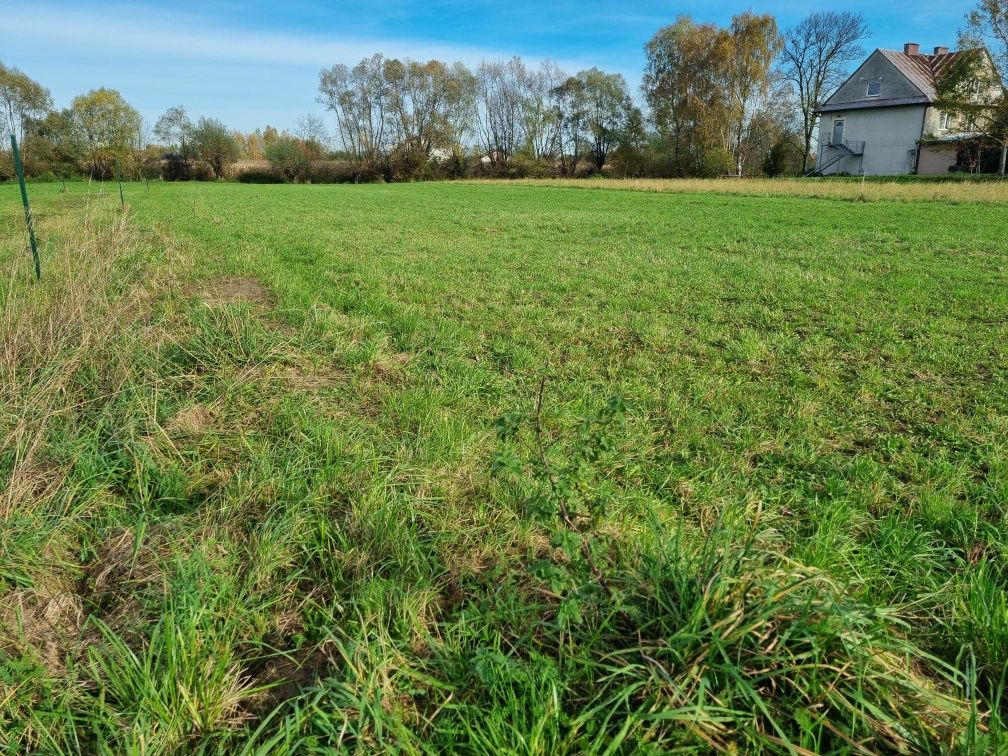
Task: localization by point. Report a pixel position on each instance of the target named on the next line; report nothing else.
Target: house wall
(936, 158)
(890, 136)
(959, 123)
(875, 68)
(932, 123)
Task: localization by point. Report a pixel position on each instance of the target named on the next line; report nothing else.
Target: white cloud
(215, 65)
(128, 32)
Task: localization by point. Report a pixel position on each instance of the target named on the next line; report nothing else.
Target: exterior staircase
(844, 148)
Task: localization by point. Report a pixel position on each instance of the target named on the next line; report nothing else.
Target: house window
(945, 123)
(874, 88)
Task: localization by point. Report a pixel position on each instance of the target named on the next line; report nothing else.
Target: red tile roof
(923, 71)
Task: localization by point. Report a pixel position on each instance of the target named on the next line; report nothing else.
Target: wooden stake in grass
(19, 167)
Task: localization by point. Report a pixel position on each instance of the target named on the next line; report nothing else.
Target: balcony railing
(854, 148)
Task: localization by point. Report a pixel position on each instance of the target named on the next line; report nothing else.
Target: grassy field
(503, 468)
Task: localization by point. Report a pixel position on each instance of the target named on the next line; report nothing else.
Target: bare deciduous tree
(311, 128)
(568, 100)
(815, 58)
(362, 103)
(499, 108)
(174, 129)
(540, 123)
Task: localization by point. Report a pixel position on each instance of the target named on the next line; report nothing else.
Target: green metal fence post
(122, 202)
(19, 167)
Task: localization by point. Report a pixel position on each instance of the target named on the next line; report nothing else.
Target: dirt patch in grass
(284, 677)
(191, 421)
(31, 483)
(309, 379)
(236, 290)
(44, 620)
(124, 569)
(388, 366)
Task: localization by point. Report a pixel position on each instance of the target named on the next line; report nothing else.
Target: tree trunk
(808, 131)
(1004, 159)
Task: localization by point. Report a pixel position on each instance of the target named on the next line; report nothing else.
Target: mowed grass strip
(958, 189)
(255, 498)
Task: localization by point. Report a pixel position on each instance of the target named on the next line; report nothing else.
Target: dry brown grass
(853, 190)
(50, 329)
(236, 289)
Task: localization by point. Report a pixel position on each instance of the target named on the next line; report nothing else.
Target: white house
(882, 120)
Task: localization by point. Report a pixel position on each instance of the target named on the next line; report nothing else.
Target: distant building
(883, 119)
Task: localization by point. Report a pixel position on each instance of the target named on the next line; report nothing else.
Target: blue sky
(256, 62)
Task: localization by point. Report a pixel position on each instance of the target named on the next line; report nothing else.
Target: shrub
(784, 157)
(331, 172)
(288, 159)
(258, 177)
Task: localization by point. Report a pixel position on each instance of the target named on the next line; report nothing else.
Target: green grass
(258, 500)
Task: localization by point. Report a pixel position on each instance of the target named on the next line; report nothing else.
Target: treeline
(736, 100)
(714, 100)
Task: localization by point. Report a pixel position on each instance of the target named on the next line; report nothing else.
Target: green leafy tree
(684, 85)
(174, 130)
(629, 156)
(54, 143)
(430, 104)
(108, 126)
(607, 105)
(22, 99)
(289, 159)
(214, 144)
(987, 26)
(784, 155)
(971, 88)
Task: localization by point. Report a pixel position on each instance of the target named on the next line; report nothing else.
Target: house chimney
(941, 51)
(911, 48)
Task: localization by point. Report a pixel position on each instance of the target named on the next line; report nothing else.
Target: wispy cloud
(247, 75)
(256, 61)
(127, 31)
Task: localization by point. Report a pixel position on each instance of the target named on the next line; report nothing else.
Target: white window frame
(868, 92)
(945, 121)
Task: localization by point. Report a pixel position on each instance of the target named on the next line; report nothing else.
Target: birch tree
(754, 43)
